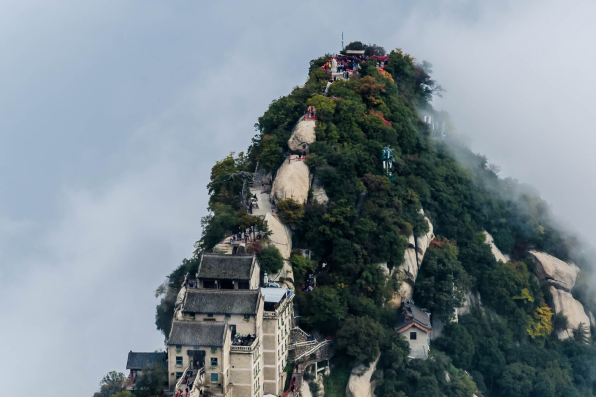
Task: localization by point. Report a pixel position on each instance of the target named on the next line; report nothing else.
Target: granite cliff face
(499, 256)
(359, 384)
(554, 271)
(412, 261)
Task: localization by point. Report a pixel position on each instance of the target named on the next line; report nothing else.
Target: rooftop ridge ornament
(388, 159)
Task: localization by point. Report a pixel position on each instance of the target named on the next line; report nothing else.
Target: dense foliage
(507, 347)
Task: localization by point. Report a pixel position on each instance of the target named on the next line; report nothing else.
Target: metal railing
(179, 383)
(294, 345)
(314, 349)
(300, 331)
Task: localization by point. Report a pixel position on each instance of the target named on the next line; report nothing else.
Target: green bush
(270, 259)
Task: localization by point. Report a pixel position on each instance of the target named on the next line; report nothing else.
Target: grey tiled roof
(142, 360)
(198, 333)
(412, 314)
(222, 301)
(231, 267)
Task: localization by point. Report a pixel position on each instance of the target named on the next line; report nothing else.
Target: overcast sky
(113, 112)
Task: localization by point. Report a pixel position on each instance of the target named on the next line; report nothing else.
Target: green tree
(326, 309)
(442, 282)
(113, 383)
(360, 338)
(457, 342)
(290, 211)
(517, 380)
(301, 265)
(123, 394)
(271, 154)
(271, 260)
(151, 381)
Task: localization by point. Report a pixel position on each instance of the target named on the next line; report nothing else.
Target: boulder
(281, 235)
(499, 256)
(563, 334)
(550, 269)
(302, 136)
(564, 302)
(292, 181)
(319, 194)
(359, 384)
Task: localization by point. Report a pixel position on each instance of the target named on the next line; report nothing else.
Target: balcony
(247, 346)
(277, 312)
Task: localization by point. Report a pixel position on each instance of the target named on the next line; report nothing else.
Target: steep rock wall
(499, 256)
(564, 302)
(550, 269)
(413, 258)
(359, 384)
(319, 193)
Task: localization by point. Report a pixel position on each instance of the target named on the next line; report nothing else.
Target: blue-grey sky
(113, 112)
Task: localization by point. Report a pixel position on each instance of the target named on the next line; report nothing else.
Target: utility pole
(342, 41)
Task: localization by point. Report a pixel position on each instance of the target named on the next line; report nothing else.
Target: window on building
(178, 348)
(209, 314)
(228, 315)
(412, 335)
(214, 378)
(195, 347)
(192, 316)
(178, 361)
(247, 316)
(213, 349)
(214, 361)
(178, 375)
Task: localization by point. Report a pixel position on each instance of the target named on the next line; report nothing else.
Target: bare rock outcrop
(319, 194)
(302, 136)
(564, 302)
(412, 261)
(410, 264)
(550, 269)
(360, 384)
(499, 256)
(305, 390)
(292, 181)
(471, 300)
(423, 242)
(281, 235)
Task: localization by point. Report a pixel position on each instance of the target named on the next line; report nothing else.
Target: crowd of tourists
(347, 64)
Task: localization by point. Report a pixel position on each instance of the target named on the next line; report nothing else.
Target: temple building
(414, 324)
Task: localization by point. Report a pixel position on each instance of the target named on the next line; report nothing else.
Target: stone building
(230, 337)
(232, 363)
(414, 324)
(278, 320)
(220, 271)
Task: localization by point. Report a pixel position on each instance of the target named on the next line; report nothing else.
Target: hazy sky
(113, 112)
